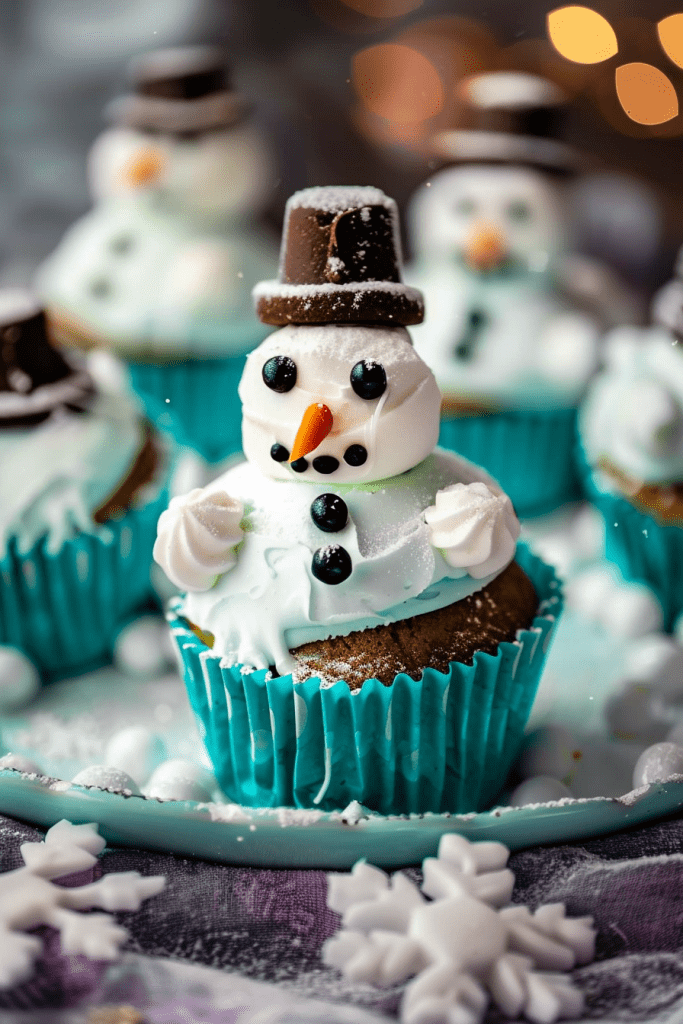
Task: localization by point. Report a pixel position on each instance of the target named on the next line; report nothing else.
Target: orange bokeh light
(645, 93)
(582, 35)
(398, 83)
(670, 31)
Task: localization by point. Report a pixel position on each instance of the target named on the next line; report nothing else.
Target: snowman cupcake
(354, 624)
(632, 436)
(511, 354)
(161, 270)
(82, 482)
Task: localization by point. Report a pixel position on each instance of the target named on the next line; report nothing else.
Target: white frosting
(633, 415)
(271, 602)
(55, 475)
(529, 348)
(474, 527)
(398, 430)
(512, 89)
(197, 537)
(141, 278)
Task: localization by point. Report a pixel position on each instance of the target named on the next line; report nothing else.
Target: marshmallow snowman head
(344, 403)
(491, 218)
(225, 174)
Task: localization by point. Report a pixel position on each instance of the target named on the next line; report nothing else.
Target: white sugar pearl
(650, 657)
(140, 648)
(658, 763)
(19, 679)
(548, 751)
(540, 790)
(21, 763)
(631, 715)
(105, 776)
(178, 779)
(632, 610)
(135, 750)
(589, 591)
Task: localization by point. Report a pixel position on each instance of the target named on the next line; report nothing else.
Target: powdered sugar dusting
(334, 198)
(275, 289)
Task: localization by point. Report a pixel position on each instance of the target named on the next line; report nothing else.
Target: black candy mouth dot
(300, 465)
(325, 464)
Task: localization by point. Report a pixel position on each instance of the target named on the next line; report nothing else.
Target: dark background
(62, 60)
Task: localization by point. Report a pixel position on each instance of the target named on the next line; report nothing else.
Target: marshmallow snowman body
(489, 240)
(369, 526)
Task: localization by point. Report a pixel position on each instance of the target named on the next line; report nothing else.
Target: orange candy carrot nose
(316, 423)
(485, 247)
(145, 168)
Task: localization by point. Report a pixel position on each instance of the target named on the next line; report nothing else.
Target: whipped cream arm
(197, 536)
(474, 527)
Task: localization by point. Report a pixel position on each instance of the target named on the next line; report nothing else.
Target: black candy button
(325, 464)
(356, 455)
(329, 513)
(332, 564)
(368, 379)
(300, 466)
(279, 374)
(279, 453)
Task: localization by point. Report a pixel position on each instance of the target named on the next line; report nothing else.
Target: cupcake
(355, 624)
(511, 351)
(632, 439)
(82, 482)
(160, 271)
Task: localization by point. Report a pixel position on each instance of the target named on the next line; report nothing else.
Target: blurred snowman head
(218, 173)
(345, 403)
(492, 218)
(181, 137)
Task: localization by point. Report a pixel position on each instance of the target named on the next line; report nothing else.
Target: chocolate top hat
(180, 91)
(508, 117)
(34, 378)
(340, 262)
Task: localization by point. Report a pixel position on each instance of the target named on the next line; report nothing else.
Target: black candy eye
(279, 374)
(368, 379)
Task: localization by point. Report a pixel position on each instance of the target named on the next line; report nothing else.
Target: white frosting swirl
(197, 536)
(473, 527)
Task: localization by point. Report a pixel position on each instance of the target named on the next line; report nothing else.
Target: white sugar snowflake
(28, 898)
(465, 946)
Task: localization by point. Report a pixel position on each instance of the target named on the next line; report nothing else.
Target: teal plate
(284, 838)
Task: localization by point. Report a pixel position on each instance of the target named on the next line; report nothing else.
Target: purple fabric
(269, 925)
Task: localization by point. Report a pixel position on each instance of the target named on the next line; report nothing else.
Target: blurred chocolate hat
(340, 262)
(35, 379)
(178, 91)
(508, 117)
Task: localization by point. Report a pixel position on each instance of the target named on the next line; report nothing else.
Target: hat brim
(369, 302)
(466, 147)
(154, 113)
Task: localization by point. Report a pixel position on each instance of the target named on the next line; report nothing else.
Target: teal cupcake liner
(645, 550)
(202, 395)
(64, 609)
(443, 743)
(529, 452)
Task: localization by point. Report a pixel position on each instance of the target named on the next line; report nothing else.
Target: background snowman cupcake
(161, 270)
(510, 353)
(632, 436)
(354, 626)
(83, 478)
